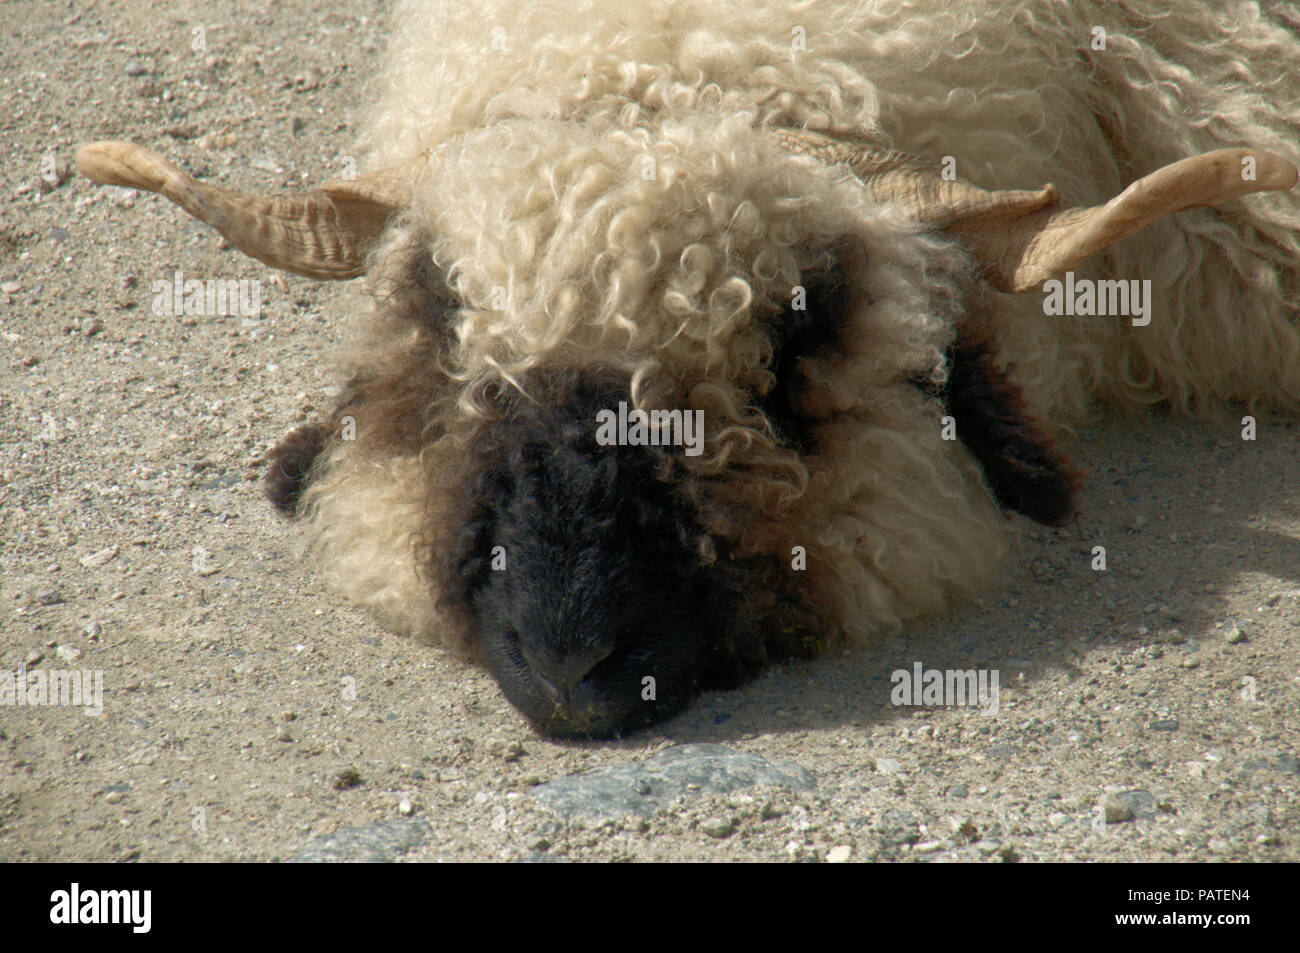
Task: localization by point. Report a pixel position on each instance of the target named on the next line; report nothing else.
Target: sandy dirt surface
(1148, 712)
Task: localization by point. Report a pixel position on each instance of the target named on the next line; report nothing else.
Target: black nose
(562, 671)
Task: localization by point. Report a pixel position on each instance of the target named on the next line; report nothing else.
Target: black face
(582, 568)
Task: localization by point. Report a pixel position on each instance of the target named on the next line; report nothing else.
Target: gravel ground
(1148, 712)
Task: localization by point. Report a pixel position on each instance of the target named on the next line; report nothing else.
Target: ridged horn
(1023, 238)
(915, 183)
(324, 233)
(1024, 252)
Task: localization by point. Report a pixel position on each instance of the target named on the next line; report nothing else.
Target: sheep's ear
(1024, 238)
(811, 325)
(289, 466)
(1022, 466)
(323, 233)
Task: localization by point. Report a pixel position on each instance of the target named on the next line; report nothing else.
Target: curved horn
(1023, 253)
(323, 233)
(915, 183)
(1022, 238)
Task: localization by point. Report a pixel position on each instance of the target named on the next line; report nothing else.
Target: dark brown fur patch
(397, 390)
(289, 463)
(1021, 463)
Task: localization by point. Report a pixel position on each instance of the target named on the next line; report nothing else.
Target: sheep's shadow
(1183, 509)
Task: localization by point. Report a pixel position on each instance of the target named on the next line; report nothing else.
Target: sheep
(835, 234)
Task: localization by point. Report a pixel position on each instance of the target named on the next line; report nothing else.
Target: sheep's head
(606, 582)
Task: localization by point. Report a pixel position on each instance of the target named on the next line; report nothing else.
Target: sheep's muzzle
(596, 598)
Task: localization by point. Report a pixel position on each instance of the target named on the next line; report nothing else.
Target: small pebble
(718, 827)
(347, 778)
(508, 751)
(839, 854)
(1116, 809)
(211, 141)
(97, 559)
(1236, 636)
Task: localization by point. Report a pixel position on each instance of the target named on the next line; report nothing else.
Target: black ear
(810, 325)
(1025, 471)
(289, 462)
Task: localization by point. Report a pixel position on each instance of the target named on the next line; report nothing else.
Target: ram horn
(324, 233)
(1023, 238)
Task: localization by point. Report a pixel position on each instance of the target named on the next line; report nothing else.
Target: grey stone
(1283, 762)
(1116, 809)
(900, 827)
(719, 827)
(642, 787)
(1128, 805)
(1141, 803)
(376, 843)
